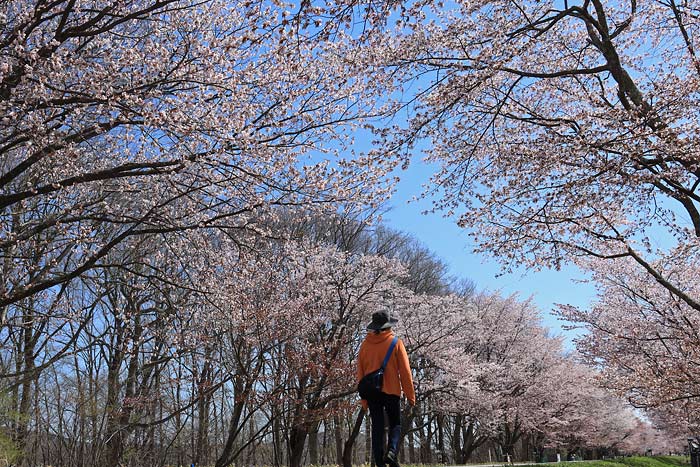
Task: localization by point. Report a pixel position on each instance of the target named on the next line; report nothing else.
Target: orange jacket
(397, 374)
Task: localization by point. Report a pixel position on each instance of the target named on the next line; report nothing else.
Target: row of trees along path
(187, 265)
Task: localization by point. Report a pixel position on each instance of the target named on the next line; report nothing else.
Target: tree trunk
(29, 377)
(411, 441)
(228, 453)
(427, 442)
(457, 441)
(422, 444)
(338, 430)
(297, 441)
(178, 414)
(203, 403)
(441, 438)
(471, 440)
(508, 437)
(313, 443)
(324, 447)
(254, 448)
(276, 439)
(347, 450)
(113, 434)
(120, 414)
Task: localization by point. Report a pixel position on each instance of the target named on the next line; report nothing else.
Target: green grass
(606, 463)
(637, 461)
(681, 461)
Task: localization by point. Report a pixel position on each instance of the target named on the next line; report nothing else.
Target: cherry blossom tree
(574, 412)
(562, 130)
(472, 364)
(488, 372)
(644, 338)
(567, 133)
(133, 118)
(331, 294)
(646, 439)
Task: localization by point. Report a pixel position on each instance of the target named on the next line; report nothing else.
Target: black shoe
(391, 459)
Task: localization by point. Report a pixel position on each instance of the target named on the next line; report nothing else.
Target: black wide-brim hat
(381, 320)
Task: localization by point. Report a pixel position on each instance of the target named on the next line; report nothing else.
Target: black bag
(370, 386)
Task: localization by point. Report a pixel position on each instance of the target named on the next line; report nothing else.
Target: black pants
(390, 404)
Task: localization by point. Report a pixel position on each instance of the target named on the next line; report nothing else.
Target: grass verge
(635, 461)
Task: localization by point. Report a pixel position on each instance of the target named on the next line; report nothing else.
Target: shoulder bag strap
(388, 353)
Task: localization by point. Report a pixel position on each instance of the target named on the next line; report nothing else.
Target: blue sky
(454, 247)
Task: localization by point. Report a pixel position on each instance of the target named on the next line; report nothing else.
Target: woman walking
(379, 345)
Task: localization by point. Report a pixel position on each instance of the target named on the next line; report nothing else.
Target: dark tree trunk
(509, 436)
(338, 430)
(441, 438)
(427, 442)
(297, 441)
(120, 414)
(23, 416)
(313, 444)
(277, 439)
(227, 455)
(113, 434)
(203, 404)
(347, 449)
(423, 444)
(457, 441)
